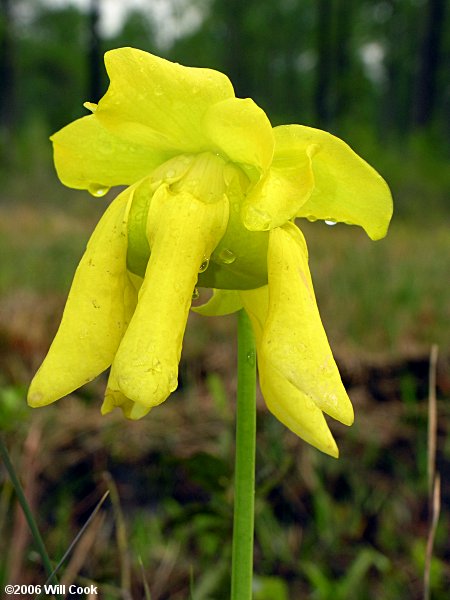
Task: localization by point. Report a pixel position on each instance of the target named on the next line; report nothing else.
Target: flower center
(239, 259)
(202, 175)
(204, 178)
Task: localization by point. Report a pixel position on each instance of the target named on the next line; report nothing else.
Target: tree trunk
(323, 88)
(429, 63)
(233, 12)
(344, 21)
(7, 71)
(95, 88)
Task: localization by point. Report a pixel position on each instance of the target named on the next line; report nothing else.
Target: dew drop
(170, 173)
(311, 218)
(329, 222)
(204, 265)
(195, 294)
(226, 256)
(98, 190)
(251, 358)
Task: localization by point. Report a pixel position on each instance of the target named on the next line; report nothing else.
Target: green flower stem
(27, 512)
(244, 500)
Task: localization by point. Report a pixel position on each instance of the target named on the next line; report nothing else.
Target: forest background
(375, 73)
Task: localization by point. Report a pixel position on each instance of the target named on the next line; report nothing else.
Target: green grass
(324, 528)
(385, 295)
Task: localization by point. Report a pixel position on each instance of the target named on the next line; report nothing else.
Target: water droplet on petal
(195, 294)
(311, 218)
(98, 190)
(226, 256)
(330, 222)
(204, 265)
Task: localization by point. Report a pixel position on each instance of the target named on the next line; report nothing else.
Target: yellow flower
(213, 192)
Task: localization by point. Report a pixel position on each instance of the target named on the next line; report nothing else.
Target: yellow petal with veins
(241, 130)
(95, 316)
(88, 156)
(288, 404)
(183, 232)
(158, 103)
(294, 338)
(346, 187)
(287, 186)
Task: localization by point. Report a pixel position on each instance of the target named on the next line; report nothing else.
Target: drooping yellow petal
(288, 404)
(88, 156)
(115, 398)
(222, 302)
(297, 411)
(241, 130)
(347, 188)
(294, 337)
(96, 313)
(183, 232)
(157, 103)
(286, 187)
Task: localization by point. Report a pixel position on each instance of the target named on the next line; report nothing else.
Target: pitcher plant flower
(213, 192)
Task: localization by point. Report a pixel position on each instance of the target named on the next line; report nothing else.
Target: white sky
(176, 17)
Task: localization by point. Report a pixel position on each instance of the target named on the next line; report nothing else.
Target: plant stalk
(244, 499)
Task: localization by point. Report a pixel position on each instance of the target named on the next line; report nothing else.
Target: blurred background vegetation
(376, 73)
